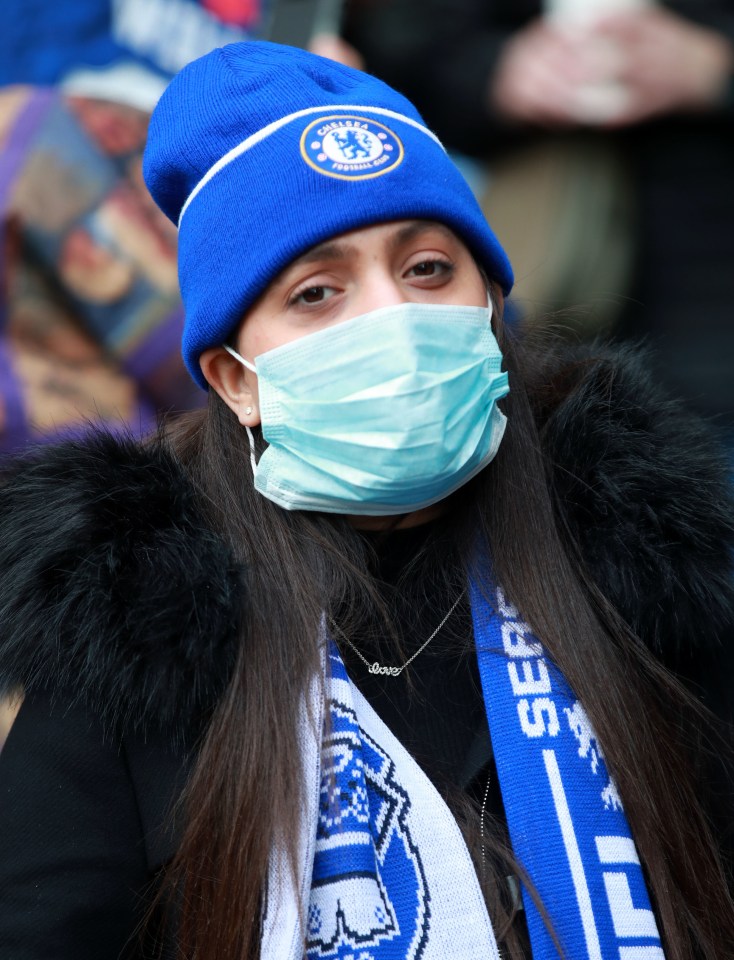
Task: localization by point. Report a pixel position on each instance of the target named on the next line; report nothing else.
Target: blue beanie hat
(259, 152)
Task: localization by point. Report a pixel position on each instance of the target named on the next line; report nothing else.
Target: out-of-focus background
(597, 135)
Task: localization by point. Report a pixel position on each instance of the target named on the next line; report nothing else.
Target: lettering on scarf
(529, 676)
(552, 771)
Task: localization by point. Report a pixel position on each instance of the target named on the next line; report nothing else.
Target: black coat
(119, 609)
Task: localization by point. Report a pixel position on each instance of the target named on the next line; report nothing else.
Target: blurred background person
(90, 310)
(90, 315)
(606, 128)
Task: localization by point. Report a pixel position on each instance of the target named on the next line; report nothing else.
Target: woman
(263, 656)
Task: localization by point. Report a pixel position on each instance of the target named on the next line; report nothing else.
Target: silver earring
(248, 411)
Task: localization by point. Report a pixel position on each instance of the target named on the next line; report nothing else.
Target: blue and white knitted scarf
(384, 871)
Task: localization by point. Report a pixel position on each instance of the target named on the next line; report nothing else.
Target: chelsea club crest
(350, 147)
(369, 894)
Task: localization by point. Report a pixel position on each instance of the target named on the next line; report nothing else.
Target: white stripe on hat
(273, 127)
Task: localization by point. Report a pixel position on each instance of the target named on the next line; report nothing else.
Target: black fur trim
(113, 589)
(647, 495)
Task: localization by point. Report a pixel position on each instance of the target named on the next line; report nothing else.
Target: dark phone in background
(295, 22)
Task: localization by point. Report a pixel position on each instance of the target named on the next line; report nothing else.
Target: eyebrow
(341, 250)
(330, 250)
(412, 230)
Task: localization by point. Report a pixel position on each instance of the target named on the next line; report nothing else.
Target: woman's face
(414, 261)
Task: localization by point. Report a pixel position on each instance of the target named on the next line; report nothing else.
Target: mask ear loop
(253, 462)
(253, 369)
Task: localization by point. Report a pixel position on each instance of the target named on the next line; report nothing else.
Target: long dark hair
(245, 790)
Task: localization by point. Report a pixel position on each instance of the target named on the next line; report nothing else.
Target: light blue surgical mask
(382, 414)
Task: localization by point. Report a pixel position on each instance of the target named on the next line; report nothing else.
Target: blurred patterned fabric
(90, 316)
(46, 41)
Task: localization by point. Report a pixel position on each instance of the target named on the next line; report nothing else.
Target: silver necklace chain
(481, 825)
(378, 668)
(512, 881)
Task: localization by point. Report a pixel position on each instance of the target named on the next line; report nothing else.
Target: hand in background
(335, 48)
(667, 64)
(616, 72)
(538, 75)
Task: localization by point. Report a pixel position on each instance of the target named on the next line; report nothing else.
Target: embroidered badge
(350, 147)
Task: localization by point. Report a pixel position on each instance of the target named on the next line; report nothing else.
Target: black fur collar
(115, 590)
(646, 492)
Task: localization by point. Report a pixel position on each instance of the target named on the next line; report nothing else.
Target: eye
(433, 267)
(309, 296)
